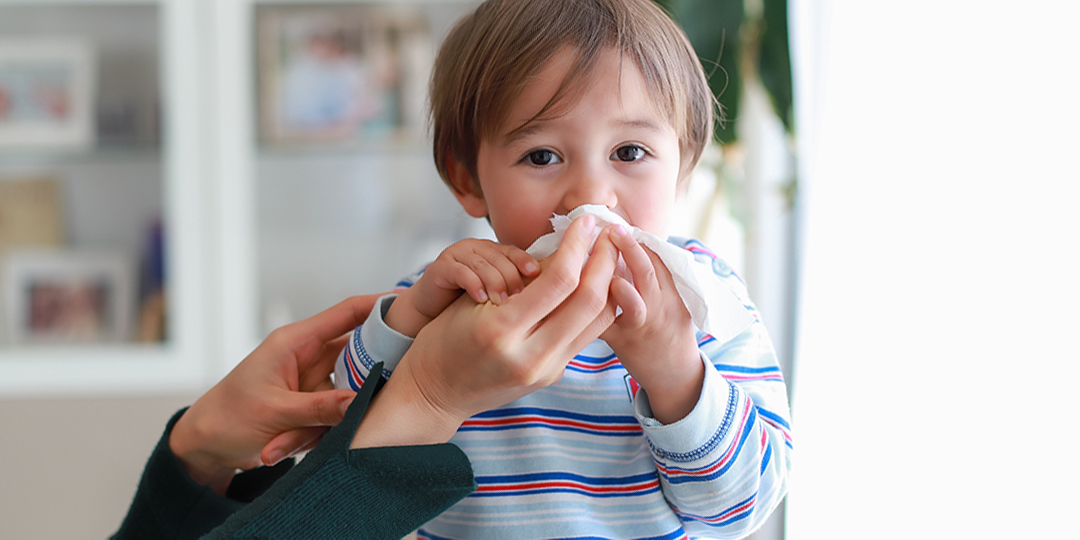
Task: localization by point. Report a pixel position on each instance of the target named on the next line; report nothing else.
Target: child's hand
(654, 336)
(483, 269)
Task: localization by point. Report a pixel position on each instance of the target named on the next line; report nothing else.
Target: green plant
(736, 40)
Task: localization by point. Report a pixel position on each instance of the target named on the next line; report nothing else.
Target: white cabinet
(255, 230)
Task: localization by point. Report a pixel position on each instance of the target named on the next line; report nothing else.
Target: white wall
(936, 360)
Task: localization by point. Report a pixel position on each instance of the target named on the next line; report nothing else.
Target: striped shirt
(583, 458)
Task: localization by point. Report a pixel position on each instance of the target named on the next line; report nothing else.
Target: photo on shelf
(46, 92)
(31, 214)
(64, 297)
(342, 73)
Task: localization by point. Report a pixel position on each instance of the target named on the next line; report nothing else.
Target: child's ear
(466, 189)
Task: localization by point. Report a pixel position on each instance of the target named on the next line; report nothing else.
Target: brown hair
(490, 55)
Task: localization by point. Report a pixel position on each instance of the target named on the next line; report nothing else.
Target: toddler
(658, 430)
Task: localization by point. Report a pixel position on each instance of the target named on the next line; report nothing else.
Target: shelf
(100, 154)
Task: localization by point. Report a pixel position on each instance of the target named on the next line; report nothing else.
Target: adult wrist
(188, 442)
(398, 416)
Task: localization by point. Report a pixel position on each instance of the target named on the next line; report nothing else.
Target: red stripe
(594, 366)
(352, 366)
(566, 484)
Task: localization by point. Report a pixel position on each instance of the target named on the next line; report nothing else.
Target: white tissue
(713, 307)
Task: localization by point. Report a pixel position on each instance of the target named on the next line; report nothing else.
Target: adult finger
(290, 443)
(558, 280)
(304, 409)
(320, 363)
(588, 311)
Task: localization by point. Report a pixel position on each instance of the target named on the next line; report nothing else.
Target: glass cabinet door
(99, 234)
(336, 177)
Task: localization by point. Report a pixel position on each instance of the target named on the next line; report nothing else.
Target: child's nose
(589, 188)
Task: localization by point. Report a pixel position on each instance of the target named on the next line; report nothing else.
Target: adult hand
(277, 402)
(475, 357)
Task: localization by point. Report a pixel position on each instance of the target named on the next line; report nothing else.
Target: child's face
(612, 147)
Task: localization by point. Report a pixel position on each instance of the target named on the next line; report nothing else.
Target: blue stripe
(542, 476)
(729, 509)
(595, 359)
(557, 413)
(746, 369)
(767, 457)
(773, 416)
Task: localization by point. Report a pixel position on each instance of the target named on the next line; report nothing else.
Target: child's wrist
(403, 317)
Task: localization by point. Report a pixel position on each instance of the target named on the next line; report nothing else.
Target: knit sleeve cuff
(694, 434)
(380, 342)
(169, 503)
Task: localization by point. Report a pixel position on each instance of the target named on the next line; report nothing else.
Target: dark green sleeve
(335, 492)
(170, 505)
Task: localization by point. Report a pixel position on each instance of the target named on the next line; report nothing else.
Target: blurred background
(895, 182)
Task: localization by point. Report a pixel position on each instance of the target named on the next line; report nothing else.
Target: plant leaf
(713, 29)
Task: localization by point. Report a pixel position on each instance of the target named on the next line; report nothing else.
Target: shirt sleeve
(369, 344)
(724, 467)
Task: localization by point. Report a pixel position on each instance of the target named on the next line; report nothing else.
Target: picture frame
(61, 296)
(342, 73)
(46, 93)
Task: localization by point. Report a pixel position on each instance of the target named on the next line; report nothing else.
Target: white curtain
(936, 388)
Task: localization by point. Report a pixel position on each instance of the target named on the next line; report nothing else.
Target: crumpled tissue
(713, 307)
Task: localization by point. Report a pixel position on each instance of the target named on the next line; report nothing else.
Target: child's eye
(628, 153)
(542, 157)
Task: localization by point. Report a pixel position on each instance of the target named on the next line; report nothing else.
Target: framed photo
(342, 72)
(46, 93)
(68, 297)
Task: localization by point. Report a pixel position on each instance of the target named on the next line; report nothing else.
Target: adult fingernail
(276, 456)
(621, 231)
(530, 267)
(483, 295)
(345, 406)
(504, 297)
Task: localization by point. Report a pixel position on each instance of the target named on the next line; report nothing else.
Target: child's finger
(510, 279)
(526, 264)
(492, 269)
(634, 311)
(462, 276)
(637, 260)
